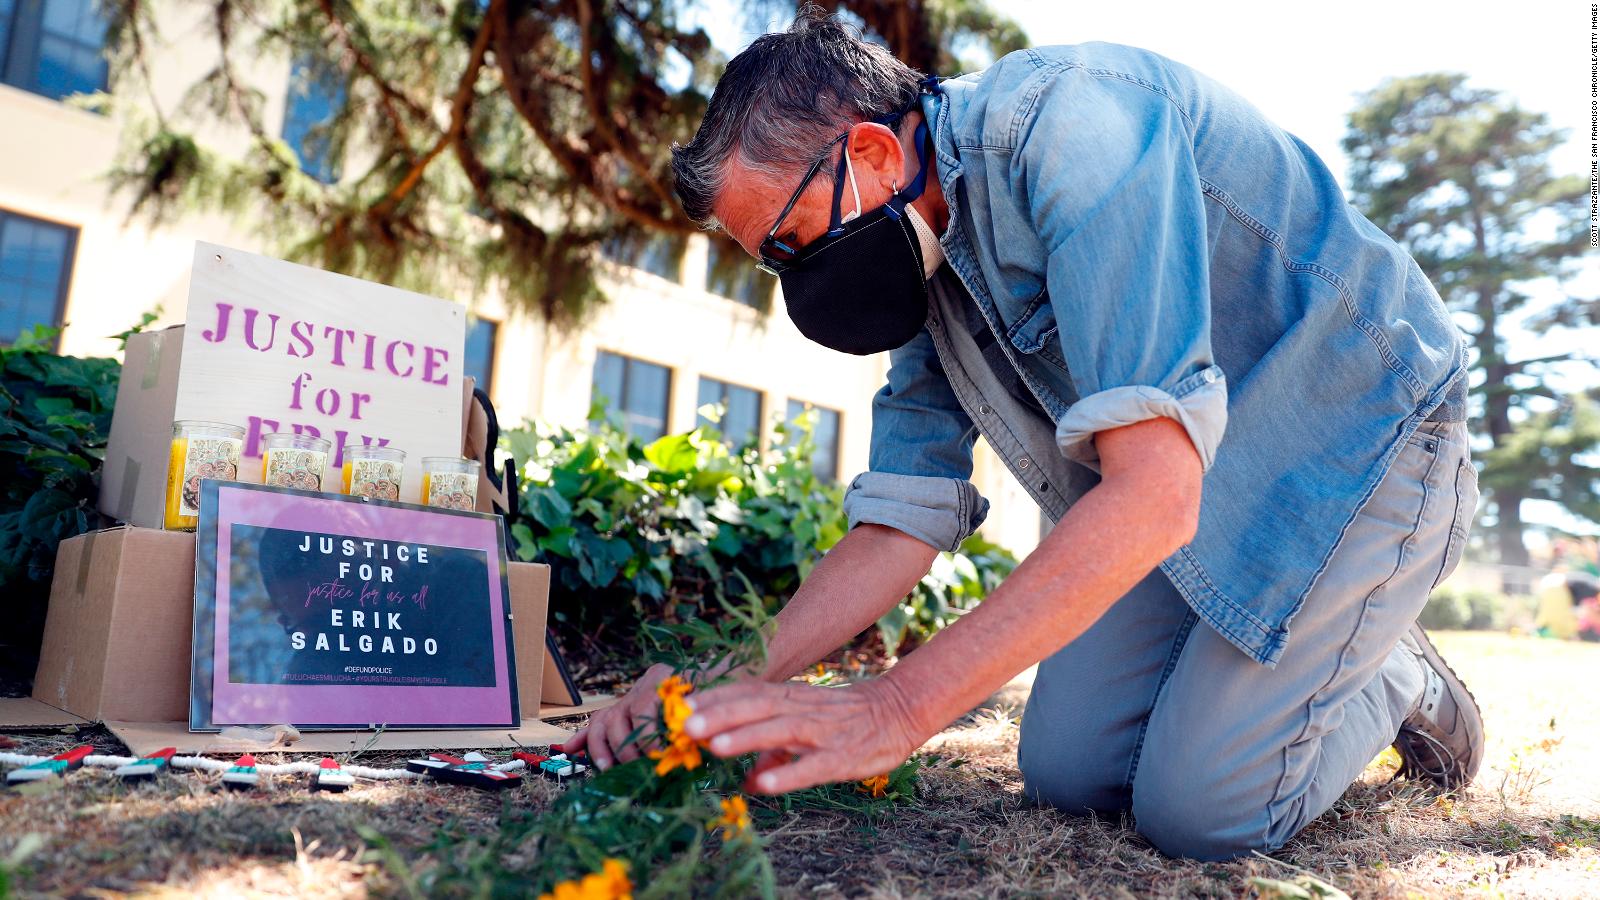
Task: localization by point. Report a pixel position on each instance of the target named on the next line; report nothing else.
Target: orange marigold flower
(681, 751)
(877, 785)
(735, 818)
(674, 708)
(610, 883)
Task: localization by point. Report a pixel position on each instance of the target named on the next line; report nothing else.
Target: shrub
(638, 533)
(1476, 609)
(55, 414)
(1446, 610)
(1484, 609)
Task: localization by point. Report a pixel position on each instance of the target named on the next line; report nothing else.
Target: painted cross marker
(331, 778)
(243, 775)
(434, 762)
(55, 767)
(471, 770)
(559, 768)
(149, 767)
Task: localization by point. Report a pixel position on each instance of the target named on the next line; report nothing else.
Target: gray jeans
(1216, 754)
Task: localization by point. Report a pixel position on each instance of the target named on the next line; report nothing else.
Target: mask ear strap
(850, 167)
(834, 222)
(924, 141)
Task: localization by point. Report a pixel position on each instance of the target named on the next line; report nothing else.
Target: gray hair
(781, 99)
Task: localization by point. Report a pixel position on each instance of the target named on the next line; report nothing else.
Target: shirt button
(1044, 486)
(1024, 462)
(984, 410)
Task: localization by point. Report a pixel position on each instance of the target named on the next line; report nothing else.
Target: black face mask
(859, 288)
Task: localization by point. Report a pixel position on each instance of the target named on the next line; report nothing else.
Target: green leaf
(54, 406)
(673, 454)
(558, 541)
(549, 508)
(892, 626)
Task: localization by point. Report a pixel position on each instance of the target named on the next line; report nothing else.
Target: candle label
(294, 468)
(452, 490)
(208, 457)
(378, 479)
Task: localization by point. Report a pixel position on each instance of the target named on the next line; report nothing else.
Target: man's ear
(878, 159)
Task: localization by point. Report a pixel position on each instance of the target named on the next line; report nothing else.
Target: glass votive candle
(372, 472)
(199, 450)
(294, 460)
(450, 482)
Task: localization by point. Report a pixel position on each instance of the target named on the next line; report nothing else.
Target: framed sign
(326, 611)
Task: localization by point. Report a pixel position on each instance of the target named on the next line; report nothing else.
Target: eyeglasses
(777, 256)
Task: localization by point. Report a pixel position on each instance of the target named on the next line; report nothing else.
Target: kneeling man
(1240, 402)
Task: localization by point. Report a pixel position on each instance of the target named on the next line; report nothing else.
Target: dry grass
(1531, 827)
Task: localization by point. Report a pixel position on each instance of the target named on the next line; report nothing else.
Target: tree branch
(605, 121)
(460, 111)
(388, 94)
(574, 157)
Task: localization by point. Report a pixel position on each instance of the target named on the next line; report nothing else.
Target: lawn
(1530, 827)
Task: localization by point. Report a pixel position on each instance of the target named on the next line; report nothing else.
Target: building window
(316, 94)
(53, 47)
(660, 255)
(479, 361)
(634, 393)
(35, 269)
(731, 273)
(825, 433)
(741, 419)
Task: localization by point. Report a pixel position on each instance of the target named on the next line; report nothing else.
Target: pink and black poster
(324, 611)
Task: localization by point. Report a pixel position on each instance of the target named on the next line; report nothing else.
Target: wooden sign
(273, 346)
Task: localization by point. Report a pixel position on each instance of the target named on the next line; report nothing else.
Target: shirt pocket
(1034, 331)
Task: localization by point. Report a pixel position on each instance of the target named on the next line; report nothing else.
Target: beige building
(668, 341)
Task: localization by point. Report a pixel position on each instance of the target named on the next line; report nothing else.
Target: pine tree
(1462, 178)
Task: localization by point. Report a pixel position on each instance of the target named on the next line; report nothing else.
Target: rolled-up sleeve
(1105, 172)
(1199, 403)
(920, 464)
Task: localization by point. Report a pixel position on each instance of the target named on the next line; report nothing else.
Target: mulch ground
(1530, 827)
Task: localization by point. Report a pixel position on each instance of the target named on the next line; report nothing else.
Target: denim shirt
(1139, 241)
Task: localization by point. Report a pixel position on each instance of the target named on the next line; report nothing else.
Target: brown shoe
(1442, 739)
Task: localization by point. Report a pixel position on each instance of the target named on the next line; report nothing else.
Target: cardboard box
(118, 633)
(133, 479)
(530, 600)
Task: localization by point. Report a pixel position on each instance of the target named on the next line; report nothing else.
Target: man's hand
(606, 735)
(808, 735)
(860, 579)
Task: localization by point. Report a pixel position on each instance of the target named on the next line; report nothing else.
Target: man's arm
(1145, 508)
(854, 584)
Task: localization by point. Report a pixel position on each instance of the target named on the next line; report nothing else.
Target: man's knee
(1054, 775)
(1186, 811)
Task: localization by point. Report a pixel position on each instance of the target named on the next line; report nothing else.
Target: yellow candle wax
(175, 520)
(200, 450)
(372, 472)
